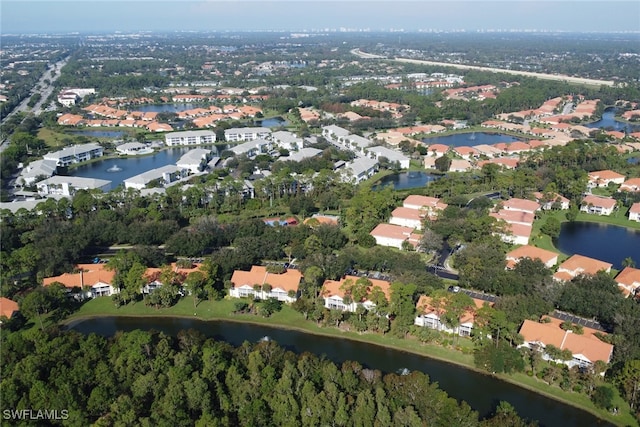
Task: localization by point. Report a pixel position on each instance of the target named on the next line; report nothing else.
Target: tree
(443, 163)
(603, 396)
(35, 304)
(627, 378)
(628, 262)
(551, 227)
(195, 283)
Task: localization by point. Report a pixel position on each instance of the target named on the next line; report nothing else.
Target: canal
(481, 392)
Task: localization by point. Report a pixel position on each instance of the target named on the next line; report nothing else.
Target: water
(272, 122)
(482, 392)
(605, 242)
(100, 133)
(608, 121)
(117, 170)
(471, 139)
(406, 180)
(166, 108)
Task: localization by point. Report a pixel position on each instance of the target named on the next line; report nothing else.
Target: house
(460, 165)
(154, 280)
(438, 150)
(8, 308)
(90, 280)
(75, 154)
(163, 176)
(430, 205)
(406, 217)
(253, 147)
(393, 156)
(579, 264)
(194, 160)
(246, 134)
(36, 170)
(252, 284)
(429, 315)
(334, 133)
(521, 205)
(586, 348)
(133, 148)
(514, 217)
(334, 293)
(394, 235)
(359, 169)
(550, 201)
(604, 177)
(303, 153)
(634, 212)
(69, 185)
(548, 258)
(597, 205)
(516, 234)
(287, 140)
(628, 281)
(632, 184)
(190, 137)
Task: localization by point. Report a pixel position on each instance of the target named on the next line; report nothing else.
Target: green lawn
(290, 319)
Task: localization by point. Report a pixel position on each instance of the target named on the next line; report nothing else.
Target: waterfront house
(194, 160)
(338, 294)
(246, 134)
(75, 154)
(406, 217)
(598, 205)
(163, 176)
(628, 281)
(430, 312)
(550, 201)
(634, 212)
(393, 156)
(68, 185)
(520, 205)
(580, 264)
(89, 280)
(261, 284)
(190, 137)
(586, 348)
(548, 258)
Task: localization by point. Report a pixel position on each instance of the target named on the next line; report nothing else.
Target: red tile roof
(333, 287)
(258, 275)
(8, 307)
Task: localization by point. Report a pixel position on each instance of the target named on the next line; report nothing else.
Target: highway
(45, 91)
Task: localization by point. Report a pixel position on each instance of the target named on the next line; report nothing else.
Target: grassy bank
(290, 319)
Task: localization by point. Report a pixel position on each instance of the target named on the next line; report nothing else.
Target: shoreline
(353, 336)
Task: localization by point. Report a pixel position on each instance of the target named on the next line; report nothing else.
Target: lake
(165, 108)
(406, 180)
(482, 392)
(608, 121)
(117, 170)
(471, 139)
(100, 133)
(605, 242)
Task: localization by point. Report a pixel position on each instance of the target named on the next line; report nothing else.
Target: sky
(54, 16)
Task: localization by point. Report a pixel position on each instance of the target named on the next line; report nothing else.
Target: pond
(406, 180)
(605, 242)
(165, 108)
(272, 122)
(482, 392)
(100, 133)
(117, 170)
(608, 121)
(471, 139)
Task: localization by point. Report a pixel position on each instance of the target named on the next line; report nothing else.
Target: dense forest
(151, 379)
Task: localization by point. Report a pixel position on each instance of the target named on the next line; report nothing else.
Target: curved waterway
(482, 392)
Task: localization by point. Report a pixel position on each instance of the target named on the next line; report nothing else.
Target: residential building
(432, 206)
(521, 205)
(190, 137)
(550, 201)
(75, 154)
(548, 258)
(406, 217)
(251, 284)
(133, 148)
(287, 140)
(604, 178)
(69, 185)
(586, 348)
(246, 134)
(253, 147)
(579, 264)
(90, 281)
(37, 170)
(8, 308)
(394, 235)
(334, 293)
(516, 234)
(334, 133)
(153, 275)
(194, 160)
(632, 184)
(163, 176)
(628, 281)
(429, 315)
(393, 156)
(514, 217)
(303, 153)
(597, 205)
(359, 169)
(634, 212)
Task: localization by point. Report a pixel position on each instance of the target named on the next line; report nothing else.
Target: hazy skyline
(50, 16)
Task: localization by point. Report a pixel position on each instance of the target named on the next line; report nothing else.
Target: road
(556, 77)
(45, 93)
